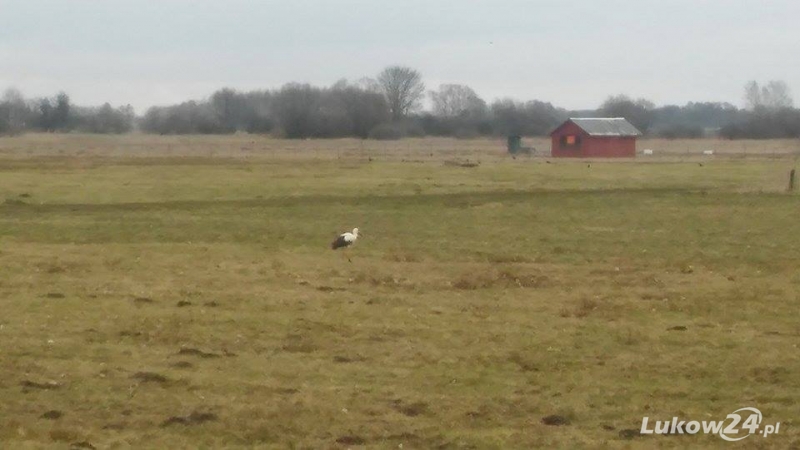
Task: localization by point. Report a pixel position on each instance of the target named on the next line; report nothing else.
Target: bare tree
(45, 119)
(752, 95)
(769, 113)
(457, 100)
(297, 108)
(774, 95)
(14, 112)
(532, 118)
(61, 114)
(230, 108)
(363, 108)
(403, 89)
(638, 112)
(104, 119)
(369, 84)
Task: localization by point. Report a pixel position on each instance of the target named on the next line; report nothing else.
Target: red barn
(594, 138)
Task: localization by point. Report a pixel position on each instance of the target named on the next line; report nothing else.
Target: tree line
(58, 114)
(390, 106)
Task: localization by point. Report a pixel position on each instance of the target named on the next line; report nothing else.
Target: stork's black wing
(340, 242)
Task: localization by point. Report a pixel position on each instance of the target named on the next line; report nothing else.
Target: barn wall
(567, 128)
(610, 147)
(592, 147)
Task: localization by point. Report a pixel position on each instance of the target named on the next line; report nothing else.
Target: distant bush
(413, 129)
(387, 132)
(681, 132)
(533, 118)
(104, 119)
(259, 124)
(14, 113)
(765, 124)
(185, 118)
(466, 133)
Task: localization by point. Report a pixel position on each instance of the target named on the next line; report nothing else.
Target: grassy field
(179, 292)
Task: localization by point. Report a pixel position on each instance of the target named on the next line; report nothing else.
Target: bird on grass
(345, 240)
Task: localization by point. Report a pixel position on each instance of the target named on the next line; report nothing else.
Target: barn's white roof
(605, 126)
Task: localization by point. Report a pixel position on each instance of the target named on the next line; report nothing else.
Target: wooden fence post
(791, 180)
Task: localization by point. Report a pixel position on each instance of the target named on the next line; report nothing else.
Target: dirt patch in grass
(402, 257)
(555, 420)
(524, 362)
(189, 351)
(34, 385)
(150, 377)
(351, 440)
(128, 333)
(63, 435)
(295, 343)
(330, 289)
(378, 279)
(53, 414)
(410, 409)
(581, 309)
(195, 418)
(771, 375)
(497, 258)
(182, 365)
(461, 163)
(348, 359)
(629, 433)
(502, 278)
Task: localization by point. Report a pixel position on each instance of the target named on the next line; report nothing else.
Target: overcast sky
(571, 53)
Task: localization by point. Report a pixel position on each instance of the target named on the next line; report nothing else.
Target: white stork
(345, 240)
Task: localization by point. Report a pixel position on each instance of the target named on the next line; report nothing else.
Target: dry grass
(191, 300)
(447, 151)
